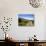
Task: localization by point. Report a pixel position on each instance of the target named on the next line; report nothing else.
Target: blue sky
(26, 16)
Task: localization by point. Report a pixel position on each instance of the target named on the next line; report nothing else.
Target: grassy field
(24, 22)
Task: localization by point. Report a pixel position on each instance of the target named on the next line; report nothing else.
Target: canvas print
(26, 20)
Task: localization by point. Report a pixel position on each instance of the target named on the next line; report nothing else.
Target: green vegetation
(23, 22)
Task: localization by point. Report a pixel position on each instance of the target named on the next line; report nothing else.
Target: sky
(26, 16)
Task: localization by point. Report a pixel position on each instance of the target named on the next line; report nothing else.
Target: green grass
(23, 22)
